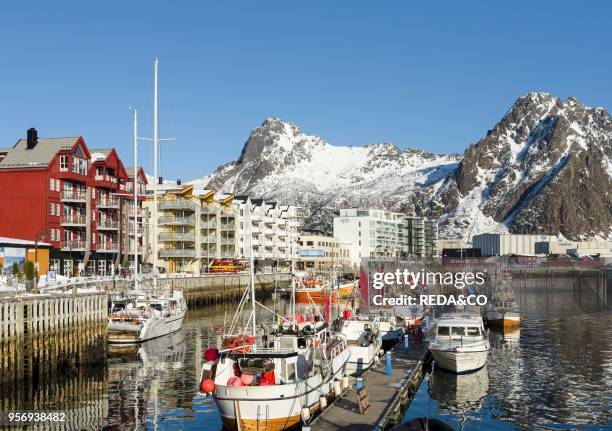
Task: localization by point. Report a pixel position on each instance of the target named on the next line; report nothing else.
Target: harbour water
(557, 370)
(553, 374)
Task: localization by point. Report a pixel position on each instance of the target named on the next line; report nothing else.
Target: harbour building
(500, 244)
(321, 253)
(58, 191)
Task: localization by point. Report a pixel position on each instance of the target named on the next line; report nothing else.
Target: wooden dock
(388, 394)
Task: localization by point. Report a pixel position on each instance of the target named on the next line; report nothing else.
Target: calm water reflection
(555, 373)
(557, 370)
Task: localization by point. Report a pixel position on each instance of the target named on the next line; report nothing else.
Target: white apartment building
(375, 233)
(271, 229)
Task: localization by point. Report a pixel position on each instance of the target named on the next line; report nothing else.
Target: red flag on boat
(363, 288)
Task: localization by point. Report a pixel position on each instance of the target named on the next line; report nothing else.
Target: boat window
(473, 331)
(301, 343)
(443, 330)
(158, 307)
(460, 330)
(291, 372)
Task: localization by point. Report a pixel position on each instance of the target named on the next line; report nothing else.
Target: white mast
(252, 272)
(135, 185)
(155, 174)
(292, 278)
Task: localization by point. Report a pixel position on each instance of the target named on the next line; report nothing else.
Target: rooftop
(39, 156)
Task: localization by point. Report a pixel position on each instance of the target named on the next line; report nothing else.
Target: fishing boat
(347, 288)
(273, 377)
(277, 384)
(364, 341)
(309, 288)
(139, 317)
(459, 344)
(503, 310)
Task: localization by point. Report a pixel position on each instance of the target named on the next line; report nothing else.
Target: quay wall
(209, 289)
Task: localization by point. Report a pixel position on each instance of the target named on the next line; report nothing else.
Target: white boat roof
(459, 319)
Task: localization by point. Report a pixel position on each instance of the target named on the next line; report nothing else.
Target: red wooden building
(58, 191)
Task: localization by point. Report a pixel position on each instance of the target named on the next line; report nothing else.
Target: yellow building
(195, 227)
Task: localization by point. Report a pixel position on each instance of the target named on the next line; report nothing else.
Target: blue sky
(428, 75)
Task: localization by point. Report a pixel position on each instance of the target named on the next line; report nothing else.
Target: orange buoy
(207, 386)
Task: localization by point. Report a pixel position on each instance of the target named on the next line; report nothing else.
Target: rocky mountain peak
(545, 167)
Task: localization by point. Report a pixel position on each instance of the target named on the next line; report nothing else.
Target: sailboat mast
(252, 278)
(135, 185)
(292, 275)
(155, 174)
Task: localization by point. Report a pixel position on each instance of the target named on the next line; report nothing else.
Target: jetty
(388, 394)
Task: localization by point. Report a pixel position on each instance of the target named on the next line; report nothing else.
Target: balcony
(73, 196)
(107, 247)
(140, 212)
(177, 236)
(130, 250)
(228, 241)
(228, 254)
(209, 225)
(107, 202)
(188, 220)
(177, 253)
(177, 204)
(139, 229)
(73, 220)
(107, 225)
(210, 239)
(74, 245)
(228, 226)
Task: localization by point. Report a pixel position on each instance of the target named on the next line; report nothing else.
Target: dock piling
(388, 355)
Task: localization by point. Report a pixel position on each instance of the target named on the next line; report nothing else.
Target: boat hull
(460, 362)
(148, 330)
(276, 407)
(315, 296)
(362, 358)
(503, 319)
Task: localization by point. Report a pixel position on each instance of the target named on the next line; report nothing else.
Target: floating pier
(388, 393)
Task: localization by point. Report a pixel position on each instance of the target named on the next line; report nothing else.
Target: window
(458, 330)
(57, 186)
(51, 235)
(51, 209)
(443, 330)
(63, 163)
(473, 331)
(57, 234)
(82, 166)
(52, 184)
(75, 165)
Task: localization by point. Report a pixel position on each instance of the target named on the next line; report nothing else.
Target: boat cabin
(460, 327)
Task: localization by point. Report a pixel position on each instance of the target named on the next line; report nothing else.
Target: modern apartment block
(195, 227)
(58, 191)
(375, 233)
(422, 236)
(271, 229)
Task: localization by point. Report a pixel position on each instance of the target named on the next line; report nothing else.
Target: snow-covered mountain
(545, 167)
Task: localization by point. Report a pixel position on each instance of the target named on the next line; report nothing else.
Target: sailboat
(278, 376)
(139, 316)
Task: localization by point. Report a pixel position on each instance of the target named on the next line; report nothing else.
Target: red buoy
(207, 386)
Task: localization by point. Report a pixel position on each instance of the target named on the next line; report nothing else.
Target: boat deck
(387, 394)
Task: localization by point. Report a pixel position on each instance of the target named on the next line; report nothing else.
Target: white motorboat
(391, 330)
(280, 384)
(140, 317)
(364, 340)
(459, 344)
